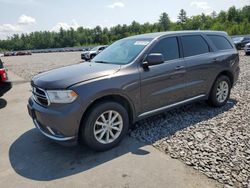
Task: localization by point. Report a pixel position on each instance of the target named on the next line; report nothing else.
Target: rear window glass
(220, 42)
(194, 45)
(168, 47)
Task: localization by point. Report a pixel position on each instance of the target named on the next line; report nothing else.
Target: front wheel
(105, 126)
(220, 92)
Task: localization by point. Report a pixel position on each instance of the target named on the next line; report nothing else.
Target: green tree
(164, 21)
(182, 17)
(234, 21)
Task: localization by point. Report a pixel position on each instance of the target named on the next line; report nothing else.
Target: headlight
(61, 96)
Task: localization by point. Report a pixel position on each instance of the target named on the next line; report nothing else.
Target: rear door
(163, 84)
(199, 64)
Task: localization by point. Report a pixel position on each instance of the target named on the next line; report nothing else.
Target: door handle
(179, 67)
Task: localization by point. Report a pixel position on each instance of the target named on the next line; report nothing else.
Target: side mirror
(154, 59)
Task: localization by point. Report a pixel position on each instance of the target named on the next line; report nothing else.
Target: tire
(94, 123)
(214, 99)
(247, 53)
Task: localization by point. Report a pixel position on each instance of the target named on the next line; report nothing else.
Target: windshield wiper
(102, 62)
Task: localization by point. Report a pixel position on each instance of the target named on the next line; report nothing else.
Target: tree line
(234, 21)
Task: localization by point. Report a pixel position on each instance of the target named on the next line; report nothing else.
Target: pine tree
(164, 21)
(182, 18)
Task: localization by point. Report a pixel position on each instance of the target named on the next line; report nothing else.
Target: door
(163, 84)
(199, 64)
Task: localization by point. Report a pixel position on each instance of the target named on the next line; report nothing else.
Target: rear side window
(194, 45)
(168, 47)
(220, 42)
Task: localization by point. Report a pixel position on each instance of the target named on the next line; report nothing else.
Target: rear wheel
(220, 92)
(106, 125)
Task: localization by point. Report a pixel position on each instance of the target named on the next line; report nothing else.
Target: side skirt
(171, 106)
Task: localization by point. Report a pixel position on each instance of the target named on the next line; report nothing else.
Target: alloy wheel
(108, 127)
(222, 91)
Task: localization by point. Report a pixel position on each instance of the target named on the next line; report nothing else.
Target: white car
(247, 49)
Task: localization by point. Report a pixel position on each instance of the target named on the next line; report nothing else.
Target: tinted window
(220, 42)
(246, 39)
(102, 48)
(194, 45)
(168, 47)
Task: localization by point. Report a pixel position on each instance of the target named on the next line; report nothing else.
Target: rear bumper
(236, 75)
(5, 87)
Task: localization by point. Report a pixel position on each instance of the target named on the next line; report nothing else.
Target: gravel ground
(28, 66)
(215, 141)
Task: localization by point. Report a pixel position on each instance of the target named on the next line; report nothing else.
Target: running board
(171, 105)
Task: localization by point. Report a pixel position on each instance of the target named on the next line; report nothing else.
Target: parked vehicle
(5, 85)
(19, 53)
(247, 49)
(136, 77)
(240, 42)
(9, 54)
(88, 55)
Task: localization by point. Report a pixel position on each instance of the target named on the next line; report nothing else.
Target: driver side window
(168, 47)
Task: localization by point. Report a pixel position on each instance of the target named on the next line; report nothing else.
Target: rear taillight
(3, 75)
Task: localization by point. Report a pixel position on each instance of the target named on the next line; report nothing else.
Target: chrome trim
(50, 130)
(51, 137)
(171, 105)
(39, 95)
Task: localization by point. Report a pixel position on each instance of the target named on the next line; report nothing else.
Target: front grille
(40, 96)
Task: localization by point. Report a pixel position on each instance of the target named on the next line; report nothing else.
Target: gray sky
(24, 16)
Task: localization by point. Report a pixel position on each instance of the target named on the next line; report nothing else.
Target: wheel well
(228, 74)
(114, 98)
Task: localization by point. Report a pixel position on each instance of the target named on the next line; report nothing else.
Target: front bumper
(52, 135)
(85, 57)
(247, 49)
(4, 87)
(60, 124)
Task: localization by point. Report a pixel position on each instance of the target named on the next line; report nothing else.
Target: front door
(163, 84)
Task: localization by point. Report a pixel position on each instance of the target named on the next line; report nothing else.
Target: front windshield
(122, 52)
(94, 49)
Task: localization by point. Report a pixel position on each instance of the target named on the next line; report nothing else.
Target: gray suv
(95, 102)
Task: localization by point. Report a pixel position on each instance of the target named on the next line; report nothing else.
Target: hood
(64, 77)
